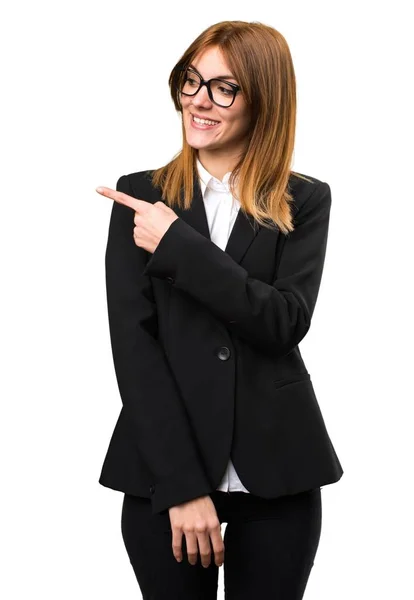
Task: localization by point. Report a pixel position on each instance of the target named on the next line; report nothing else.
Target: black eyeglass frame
(236, 88)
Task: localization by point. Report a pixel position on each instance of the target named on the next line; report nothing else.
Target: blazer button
(170, 279)
(152, 489)
(223, 353)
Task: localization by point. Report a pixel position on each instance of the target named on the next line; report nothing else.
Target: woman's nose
(201, 97)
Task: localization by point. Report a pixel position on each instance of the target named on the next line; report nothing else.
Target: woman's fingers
(140, 206)
(204, 546)
(218, 545)
(177, 543)
(192, 549)
(199, 542)
(198, 521)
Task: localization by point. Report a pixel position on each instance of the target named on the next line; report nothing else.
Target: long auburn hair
(260, 59)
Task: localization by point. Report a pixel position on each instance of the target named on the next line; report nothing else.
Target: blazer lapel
(242, 235)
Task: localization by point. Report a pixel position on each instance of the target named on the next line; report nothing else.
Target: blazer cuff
(179, 487)
(162, 262)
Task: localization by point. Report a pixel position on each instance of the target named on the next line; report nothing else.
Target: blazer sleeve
(273, 317)
(149, 393)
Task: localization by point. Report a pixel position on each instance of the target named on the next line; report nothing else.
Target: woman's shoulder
(141, 184)
(140, 176)
(301, 180)
(302, 184)
(307, 189)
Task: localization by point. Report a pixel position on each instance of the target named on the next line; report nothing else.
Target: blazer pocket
(278, 383)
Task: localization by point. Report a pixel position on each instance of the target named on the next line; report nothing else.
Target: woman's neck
(217, 164)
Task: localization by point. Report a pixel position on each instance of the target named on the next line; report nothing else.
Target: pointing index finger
(122, 198)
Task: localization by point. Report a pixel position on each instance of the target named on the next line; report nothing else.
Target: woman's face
(230, 133)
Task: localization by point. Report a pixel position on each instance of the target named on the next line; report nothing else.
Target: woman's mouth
(203, 123)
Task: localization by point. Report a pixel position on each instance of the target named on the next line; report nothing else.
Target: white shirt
(221, 210)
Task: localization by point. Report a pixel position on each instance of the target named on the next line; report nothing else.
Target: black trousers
(270, 546)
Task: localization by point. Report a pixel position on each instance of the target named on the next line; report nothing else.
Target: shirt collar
(207, 180)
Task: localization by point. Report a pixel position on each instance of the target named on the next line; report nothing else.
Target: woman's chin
(198, 144)
(200, 141)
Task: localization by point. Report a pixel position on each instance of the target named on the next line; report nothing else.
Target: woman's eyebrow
(217, 76)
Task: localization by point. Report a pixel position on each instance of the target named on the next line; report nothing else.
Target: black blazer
(205, 348)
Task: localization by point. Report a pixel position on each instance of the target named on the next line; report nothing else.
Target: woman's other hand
(198, 521)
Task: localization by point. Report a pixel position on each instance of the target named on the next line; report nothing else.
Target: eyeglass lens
(222, 93)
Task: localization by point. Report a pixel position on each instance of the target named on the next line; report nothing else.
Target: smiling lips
(198, 123)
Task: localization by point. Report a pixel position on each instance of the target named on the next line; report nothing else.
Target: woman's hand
(198, 521)
(151, 220)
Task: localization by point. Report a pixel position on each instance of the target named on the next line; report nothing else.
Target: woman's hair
(260, 59)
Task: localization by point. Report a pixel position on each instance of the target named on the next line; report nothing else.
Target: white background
(76, 113)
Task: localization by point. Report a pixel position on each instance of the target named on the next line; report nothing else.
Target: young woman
(213, 267)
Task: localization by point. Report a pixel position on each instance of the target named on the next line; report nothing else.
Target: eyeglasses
(220, 91)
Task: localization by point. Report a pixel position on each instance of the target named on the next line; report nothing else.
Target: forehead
(212, 63)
